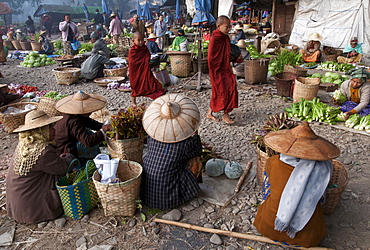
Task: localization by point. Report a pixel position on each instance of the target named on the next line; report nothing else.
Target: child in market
(142, 80)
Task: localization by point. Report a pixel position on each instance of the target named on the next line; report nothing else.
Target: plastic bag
(75, 44)
(173, 79)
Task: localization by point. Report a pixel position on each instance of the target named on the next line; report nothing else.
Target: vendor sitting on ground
(100, 47)
(352, 53)
(180, 43)
(357, 91)
(167, 181)
(240, 35)
(154, 48)
(46, 47)
(93, 67)
(295, 181)
(31, 195)
(311, 51)
(74, 132)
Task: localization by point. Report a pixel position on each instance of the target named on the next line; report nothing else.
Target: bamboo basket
(256, 70)
(16, 45)
(66, 76)
(340, 177)
(119, 199)
(299, 71)
(284, 83)
(26, 45)
(262, 157)
(180, 63)
(331, 58)
(306, 88)
(13, 121)
(36, 46)
(8, 44)
(48, 106)
(204, 66)
(128, 149)
(115, 72)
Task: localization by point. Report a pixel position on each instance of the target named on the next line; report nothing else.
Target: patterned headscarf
(361, 74)
(30, 146)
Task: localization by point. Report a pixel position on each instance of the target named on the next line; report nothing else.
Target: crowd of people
(47, 144)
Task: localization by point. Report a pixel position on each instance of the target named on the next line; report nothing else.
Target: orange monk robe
(142, 80)
(224, 90)
(279, 173)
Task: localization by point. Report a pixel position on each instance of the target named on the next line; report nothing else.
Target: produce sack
(162, 76)
(78, 198)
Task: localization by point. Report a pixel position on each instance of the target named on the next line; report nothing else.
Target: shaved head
(222, 20)
(137, 34)
(138, 38)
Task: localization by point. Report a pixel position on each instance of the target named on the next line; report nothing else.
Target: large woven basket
(48, 106)
(16, 45)
(26, 45)
(256, 70)
(8, 44)
(180, 63)
(119, 199)
(204, 66)
(36, 46)
(129, 149)
(115, 72)
(66, 76)
(13, 121)
(306, 88)
(284, 83)
(299, 71)
(337, 184)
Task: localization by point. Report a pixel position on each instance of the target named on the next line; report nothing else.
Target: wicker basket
(340, 177)
(36, 46)
(306, 88)
(331, 58)
(16, 45)
(256, 70)
(8, 44)
(180, 63)
(119, 199)
(299, 71)
(13, 121)
(115, 72)
(26, 45)
(48, 106)
(66, 76)
(284, 83)
(262, 157)
(129, 149)
(204, 66)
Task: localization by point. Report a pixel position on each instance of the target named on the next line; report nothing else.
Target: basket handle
(87, 172)
(70, 164)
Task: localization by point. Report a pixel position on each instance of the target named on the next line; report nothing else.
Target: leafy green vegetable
(81, 175)
(283, 58)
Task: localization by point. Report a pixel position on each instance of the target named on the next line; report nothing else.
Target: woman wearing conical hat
(171, 122)
(73, 132)
(297, 179)
(311, 51)
(31, 195)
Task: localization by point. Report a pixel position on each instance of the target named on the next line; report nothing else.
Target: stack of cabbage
(331, 77)
(35, 59)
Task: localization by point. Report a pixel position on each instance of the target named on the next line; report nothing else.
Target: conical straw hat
(171, 118)
(37, 119)
(241, 44)
(81, 103)
(301, 142)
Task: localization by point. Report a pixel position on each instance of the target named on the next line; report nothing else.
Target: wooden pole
(273, 16)
(233, 234)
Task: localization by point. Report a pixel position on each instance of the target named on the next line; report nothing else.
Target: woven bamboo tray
(340, 178)
(115, 72)
(48, 106)
(13, 121)
(103, 80)
(119, 199)
(66, 76)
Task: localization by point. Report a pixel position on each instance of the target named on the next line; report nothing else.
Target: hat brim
(41, 124)
(318, 149)
(315, 38)
(67, 105)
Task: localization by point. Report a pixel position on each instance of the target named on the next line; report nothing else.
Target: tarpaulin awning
(177, 9)
(105, 7)
(172, 3)
(146, 13)
(5, 9)
(50, 8)
(203, 14)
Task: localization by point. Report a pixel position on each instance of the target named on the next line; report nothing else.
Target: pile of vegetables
(313, 110)
(284, 57)
(35, 59)
(54, 95)
(360, 123)
(254, 54)
(112, 48)
(126, 33)
(309, 64)
(81, 175)
(334, 66)
(331, 77)
(193, 48)
(85, 47)
(188, 29)
(339, 97)
(21, 89)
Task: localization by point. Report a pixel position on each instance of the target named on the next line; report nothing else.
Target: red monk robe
(224, 90)
(142, 80)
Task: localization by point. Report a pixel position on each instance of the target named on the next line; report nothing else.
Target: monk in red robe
(142, 80)
(224, 90)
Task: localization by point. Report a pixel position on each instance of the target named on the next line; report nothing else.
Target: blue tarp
(146, 12)
(105, 6)
(177, 9)
(203, 12)
(138, 10)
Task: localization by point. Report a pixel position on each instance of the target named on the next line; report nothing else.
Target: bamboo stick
(233, 234)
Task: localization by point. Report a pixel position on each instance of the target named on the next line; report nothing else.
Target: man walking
(70, 33)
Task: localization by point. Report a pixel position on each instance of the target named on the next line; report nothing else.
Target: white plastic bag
(173, 79)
